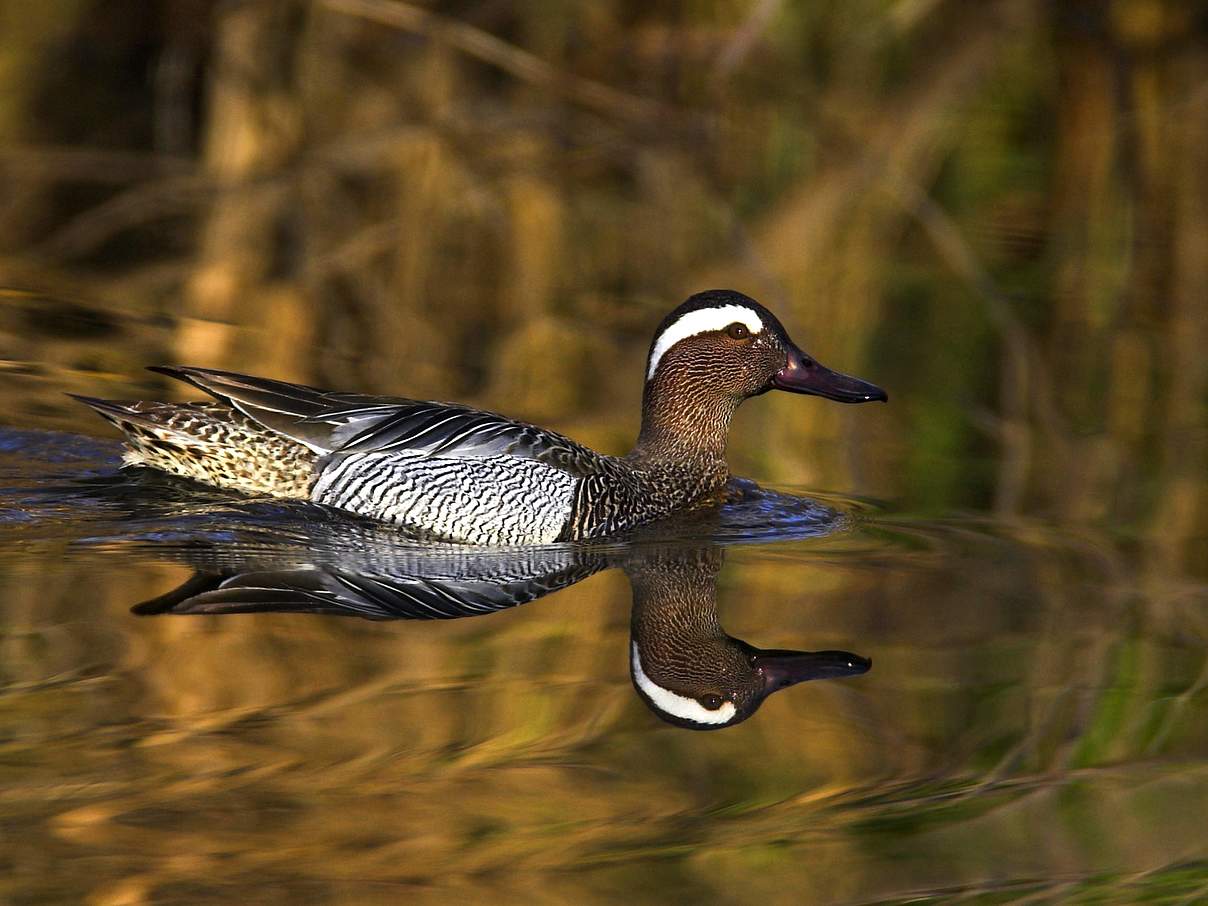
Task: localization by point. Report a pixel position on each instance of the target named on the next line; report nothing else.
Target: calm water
(1033, 726)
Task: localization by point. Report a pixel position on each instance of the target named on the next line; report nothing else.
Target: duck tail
(114, 411)
(209, 442)
(142, 424)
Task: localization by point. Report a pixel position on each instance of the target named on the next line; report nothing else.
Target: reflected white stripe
(700, 321)
(676, 705)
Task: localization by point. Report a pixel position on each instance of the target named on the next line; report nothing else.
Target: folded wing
(347, 423)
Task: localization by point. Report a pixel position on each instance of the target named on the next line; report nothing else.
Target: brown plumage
(210, 442)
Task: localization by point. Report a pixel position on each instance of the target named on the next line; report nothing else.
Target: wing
(324, 590)
(342, 423)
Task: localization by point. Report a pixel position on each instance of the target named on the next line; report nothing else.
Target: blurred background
(998, 211)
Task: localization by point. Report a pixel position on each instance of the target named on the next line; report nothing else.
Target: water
(439, 722)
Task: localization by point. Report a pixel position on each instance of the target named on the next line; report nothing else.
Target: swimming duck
(461, 474)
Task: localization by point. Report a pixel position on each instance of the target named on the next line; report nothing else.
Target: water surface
(1033, 724)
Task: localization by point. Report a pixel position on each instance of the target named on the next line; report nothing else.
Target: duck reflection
(683, 664)
(685, 667)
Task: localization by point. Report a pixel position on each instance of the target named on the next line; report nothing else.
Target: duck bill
(780, 669)
(804, 375)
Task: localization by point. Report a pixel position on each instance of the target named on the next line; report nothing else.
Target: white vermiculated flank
(498, 499)
(701, 321)
(677, 705)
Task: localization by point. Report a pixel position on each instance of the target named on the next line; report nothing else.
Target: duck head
(737, 348)
(685, 667)
(727, 681)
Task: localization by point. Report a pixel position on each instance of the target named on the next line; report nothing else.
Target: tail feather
(209, 442)
(147, 426)
(118, 412)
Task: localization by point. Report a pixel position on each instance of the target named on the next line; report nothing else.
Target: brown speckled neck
(685, 423)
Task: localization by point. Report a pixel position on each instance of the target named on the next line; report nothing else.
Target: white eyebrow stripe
(700, 321)
(676, 705)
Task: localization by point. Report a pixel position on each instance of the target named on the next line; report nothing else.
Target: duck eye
(738, 331)
(712, 701)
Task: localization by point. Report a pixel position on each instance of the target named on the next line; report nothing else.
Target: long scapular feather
(348, 423)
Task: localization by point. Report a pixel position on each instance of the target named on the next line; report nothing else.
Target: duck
(456, 473)
(685, 668)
